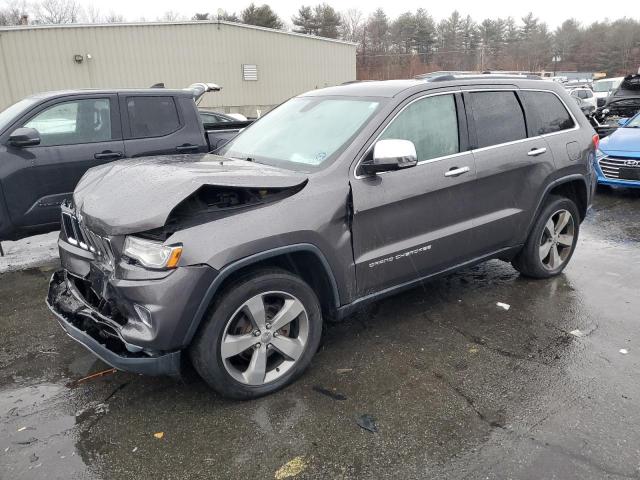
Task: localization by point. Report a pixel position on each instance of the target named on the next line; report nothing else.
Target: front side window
(547, 113)
(498, 118)
(303, 133)
(73, 122)
(152, 116)
(431, 123)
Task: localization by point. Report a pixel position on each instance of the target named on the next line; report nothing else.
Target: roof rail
(480, 76)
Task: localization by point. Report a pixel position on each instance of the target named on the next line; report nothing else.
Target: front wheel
(261, 335)
(552, 240)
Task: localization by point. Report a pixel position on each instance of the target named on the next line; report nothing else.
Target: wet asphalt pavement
(458, 387)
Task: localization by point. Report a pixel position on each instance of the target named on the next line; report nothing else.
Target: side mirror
(25, 137)
(622, 122)
(390, 155)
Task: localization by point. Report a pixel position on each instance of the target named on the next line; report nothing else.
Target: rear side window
(152, 116)
(546, 113)
(431, 124)
(498, 118)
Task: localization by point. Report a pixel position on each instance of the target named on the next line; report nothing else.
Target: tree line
(413, 42)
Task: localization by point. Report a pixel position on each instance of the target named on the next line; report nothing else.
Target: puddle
(37, 440)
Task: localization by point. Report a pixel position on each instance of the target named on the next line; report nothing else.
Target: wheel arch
(573, 187)
(305, 260)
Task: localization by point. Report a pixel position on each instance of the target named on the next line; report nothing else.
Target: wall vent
(250, 72)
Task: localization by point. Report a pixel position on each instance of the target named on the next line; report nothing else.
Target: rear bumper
(99, 334)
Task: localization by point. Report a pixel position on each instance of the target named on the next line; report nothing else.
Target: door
(413, 222)
(75, 135)
(511, 167)
(161, 125)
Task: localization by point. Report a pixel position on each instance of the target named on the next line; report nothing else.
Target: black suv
(336, 198)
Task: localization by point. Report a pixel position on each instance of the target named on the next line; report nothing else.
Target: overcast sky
(551, 11)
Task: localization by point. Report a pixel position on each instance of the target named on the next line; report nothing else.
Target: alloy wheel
(557, 240)
(264, 338)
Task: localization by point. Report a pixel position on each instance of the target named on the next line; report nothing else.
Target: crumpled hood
(138, 194)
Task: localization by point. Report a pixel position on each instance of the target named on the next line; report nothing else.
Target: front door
(75, 135)
(414, 222)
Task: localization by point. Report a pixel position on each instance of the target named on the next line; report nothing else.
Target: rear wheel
(261, 335)
(552, 240)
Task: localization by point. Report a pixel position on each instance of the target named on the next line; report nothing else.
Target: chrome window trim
(576, 126)
(420, 162)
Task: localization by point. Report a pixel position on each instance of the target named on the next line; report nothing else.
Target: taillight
(596, 140)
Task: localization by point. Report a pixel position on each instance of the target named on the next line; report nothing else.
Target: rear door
(511, 167)
(161, 125)
(413, 222)
(548, 117)
(76, 133)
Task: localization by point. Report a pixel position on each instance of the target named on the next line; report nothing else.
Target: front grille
(617, 167)
(79, 235)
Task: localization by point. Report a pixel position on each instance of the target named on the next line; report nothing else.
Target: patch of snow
(29, 252)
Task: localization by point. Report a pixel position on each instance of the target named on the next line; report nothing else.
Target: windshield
(9, 115)
(303, 133)
(634, 122)
(603, 86)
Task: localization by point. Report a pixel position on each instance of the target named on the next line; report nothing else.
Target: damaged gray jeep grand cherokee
(337, 197)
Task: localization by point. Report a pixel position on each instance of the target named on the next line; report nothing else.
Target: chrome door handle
(536, 151)
(454, 172)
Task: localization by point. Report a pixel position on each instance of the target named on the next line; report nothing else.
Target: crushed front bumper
(100, 334)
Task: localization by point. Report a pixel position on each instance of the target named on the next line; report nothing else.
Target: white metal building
(257, 67)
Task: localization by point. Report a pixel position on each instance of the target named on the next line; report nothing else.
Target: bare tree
(171, 16)
(114, 18)
(13, 12)
(92, 14)
(57, 11)
(352, 25)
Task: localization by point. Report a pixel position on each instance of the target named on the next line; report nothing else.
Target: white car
(584, 93)
(605, 87)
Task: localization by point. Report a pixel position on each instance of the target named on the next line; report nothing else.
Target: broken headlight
(152, 254)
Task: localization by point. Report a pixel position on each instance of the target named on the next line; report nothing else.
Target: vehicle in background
(618, 156)
(336, 198)
(49, 140)
(603, 88)
(571, 84)
(585, 94)
(623, 103)
(587, 108)
(210, 117)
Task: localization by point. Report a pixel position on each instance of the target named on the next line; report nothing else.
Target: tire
(237, 321)
(531, 261)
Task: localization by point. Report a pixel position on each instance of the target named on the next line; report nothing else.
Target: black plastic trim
(247, 261)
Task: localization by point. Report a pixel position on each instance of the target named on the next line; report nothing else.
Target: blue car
(618, 156)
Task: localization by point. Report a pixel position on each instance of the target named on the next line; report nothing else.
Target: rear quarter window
(498, 118)
(546, 113)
